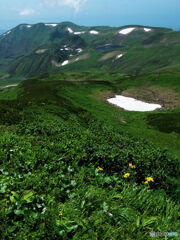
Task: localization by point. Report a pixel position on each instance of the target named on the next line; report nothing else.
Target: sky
(163, 13)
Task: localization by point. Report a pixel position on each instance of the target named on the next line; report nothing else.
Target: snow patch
(51, 24)
(6, 33)
(147, 29)
(65, 63)
(132, 104)
(78, 33)
(70, 30)
(119, 56)
(28, 26)
(94, 32)
(79, 50)
(126, 30)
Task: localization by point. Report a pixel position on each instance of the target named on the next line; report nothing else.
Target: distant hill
(27, 50)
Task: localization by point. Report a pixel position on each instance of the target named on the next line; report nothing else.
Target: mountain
(72, 165)
(27, 50)
(2, 31)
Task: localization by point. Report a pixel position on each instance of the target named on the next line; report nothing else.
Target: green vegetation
(65, 154)
(143, 52)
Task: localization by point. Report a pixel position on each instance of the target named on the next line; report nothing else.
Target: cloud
(26, 12)
(74, 4)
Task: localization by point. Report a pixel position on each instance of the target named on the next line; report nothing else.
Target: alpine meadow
(89, 131)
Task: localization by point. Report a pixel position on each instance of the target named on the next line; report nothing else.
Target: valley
(72, 164)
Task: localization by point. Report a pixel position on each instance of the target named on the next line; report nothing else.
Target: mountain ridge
(19, 47)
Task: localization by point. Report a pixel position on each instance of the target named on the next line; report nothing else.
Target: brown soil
(168, 98)
(109, 55)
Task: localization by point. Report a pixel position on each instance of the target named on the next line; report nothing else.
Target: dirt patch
(78, 58)
(167, 98)
(82, 57)
(104, 95)
(10, 85)
(109, 55)
(172, 42)
(40, 51)
(5, 76)
(164, 40)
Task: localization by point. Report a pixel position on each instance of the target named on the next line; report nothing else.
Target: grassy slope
(55, 135)
(143, 52)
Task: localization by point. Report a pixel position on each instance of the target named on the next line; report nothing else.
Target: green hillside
(75, 167)
(136, 52)
(72, 165)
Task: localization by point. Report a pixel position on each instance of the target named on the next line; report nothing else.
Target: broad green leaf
(18, 212)
(27, 196)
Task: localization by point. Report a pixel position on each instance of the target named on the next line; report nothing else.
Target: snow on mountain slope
(119, 56)
(51, 24)
(147, 29)
(78, 33)
(94, 32)
(126, 30)
(70, 30)
(65, 63)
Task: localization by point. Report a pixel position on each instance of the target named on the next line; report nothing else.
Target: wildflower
(105, 211)
(149, 179)
(110, 214)
(126, 175)
(60, 214)
(39, 206)
(131, 165)
(100, 169)
(146, 182)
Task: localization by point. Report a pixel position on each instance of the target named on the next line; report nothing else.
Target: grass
(64, 155)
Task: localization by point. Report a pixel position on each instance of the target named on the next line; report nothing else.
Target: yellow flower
(100, 169)
(146, 182)
(126, 175)
(149, 179)
(131, 165)
(60, 214)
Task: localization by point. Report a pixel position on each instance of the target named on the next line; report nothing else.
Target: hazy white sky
(91, 12)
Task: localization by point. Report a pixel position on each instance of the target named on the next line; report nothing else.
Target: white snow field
(70, 30)
(94, 32)
(119, 56)
(126, 30)
(78, 33)
(51, 24)
(79, 50)
(65, 63)
(147, 29)
(132, 104)
(6, 33)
